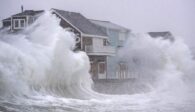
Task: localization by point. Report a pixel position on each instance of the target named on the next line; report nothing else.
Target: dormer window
(22, 23)
(19, 23)
(16, 25)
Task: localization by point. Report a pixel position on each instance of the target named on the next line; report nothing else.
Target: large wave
(40, 59)
(166, 68)
(39, 69)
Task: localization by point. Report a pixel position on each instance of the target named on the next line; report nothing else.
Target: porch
(98, 67)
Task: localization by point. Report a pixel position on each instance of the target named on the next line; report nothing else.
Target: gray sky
(141, 16)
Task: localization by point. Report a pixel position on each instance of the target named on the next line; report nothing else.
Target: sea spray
(165, 67)
(41, 59)
(39, 72)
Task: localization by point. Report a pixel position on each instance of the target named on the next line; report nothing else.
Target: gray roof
(7, 19)
(25, 13)
(110, 25)
(164, 34)
(82, 23)
(29, 12)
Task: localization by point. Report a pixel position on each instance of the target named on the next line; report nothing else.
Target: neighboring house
(164, 35)
(21, 20)
(90, 37)
(118, 35)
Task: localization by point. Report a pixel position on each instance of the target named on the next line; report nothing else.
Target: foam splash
(40, 72)
(41, 59)
(165, 67)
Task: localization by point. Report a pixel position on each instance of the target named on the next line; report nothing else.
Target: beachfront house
(21, 20)
(92, 39)
(118, 35)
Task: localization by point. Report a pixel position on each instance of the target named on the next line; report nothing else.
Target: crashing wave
(41, 59)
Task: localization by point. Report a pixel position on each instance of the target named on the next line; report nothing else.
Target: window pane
(87, 41)
(105, 42)
(16, 23)
(102, 68)
(22, 23)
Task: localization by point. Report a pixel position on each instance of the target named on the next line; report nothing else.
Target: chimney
(22, 9)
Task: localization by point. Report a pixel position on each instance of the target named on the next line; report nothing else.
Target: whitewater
(41, 72)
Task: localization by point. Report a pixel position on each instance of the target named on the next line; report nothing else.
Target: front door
(94, 70)
(101, 70)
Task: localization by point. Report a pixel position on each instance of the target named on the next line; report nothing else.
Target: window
(123, 70)
(22, 23)
(122, 66)
(102, 67)
(105, 42)
(121, 37)
(16, 23)
(87, 41)
(19, 23)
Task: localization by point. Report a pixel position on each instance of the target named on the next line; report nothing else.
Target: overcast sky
(141, 16)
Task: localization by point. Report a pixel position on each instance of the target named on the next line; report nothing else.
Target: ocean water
(40, 72)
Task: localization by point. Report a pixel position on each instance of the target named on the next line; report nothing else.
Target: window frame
(102, 68)
(19, 23)
(105, 42)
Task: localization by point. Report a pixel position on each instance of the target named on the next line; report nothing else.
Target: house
(164, 35)
(118, 35)
(21, 20)
(90, 38)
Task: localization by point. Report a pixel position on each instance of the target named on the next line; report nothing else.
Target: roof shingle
(110, 25)
(164, 34)
(29, 12)
(25, 13)
(82, 23)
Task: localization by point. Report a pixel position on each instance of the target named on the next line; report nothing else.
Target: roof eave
(82, 33)
(90, 35)
(6, 20)
(54, 10)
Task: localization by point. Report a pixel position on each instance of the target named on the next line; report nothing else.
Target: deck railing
(103, 50)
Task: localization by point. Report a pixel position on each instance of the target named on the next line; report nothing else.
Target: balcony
(100, 50)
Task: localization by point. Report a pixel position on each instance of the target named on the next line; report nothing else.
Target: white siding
(122, 36)
(97, 42)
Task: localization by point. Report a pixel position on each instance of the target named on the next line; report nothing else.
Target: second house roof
(82, 23)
